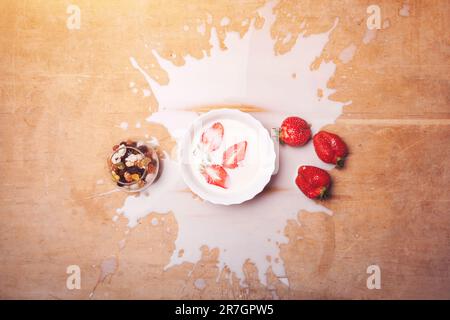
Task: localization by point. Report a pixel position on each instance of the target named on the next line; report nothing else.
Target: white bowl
(246, 191)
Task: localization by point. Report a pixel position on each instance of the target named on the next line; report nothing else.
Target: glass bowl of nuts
(133, 165)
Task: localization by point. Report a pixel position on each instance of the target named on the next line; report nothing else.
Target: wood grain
(63, 93)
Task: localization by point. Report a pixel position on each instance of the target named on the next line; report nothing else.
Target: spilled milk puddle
(247, 73)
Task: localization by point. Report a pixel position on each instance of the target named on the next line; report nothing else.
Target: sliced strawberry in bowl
(213, 136)
(234, 154)
(215, 175)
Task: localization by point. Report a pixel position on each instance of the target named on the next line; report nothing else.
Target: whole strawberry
(330, 148)
(313, 182)
(295, 132)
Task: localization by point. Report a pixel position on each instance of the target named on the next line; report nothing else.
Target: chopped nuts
(120, 166)
(144, 162)
(128, 177)
(151, 168)
(133, 165)
(120, 152)
(129, 163)
(115, 176)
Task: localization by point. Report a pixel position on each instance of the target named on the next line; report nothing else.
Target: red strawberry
(213, 136)
(295, 131)
(330, 148)
(234, 154)
(216, 175)
(313, 182)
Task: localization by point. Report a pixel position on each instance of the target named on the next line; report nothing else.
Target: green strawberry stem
(340, 162)
(323, 193)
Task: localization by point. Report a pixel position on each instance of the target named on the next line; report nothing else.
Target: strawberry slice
(216, 175)
(213, 136)
(234, 154)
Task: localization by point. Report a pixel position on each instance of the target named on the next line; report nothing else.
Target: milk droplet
(404, 11)
(200, 284)
(108, 267)
(122, 244)
(201, 28)
(123, 125)
(225, 21)
(347, 54)
(369, 35)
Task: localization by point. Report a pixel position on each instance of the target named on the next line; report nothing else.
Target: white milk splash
(249, 73)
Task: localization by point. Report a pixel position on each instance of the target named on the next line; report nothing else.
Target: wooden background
(63, 92)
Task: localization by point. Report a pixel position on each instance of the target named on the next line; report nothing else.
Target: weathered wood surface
(63, 93)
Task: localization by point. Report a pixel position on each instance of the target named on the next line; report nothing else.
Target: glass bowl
(133, 165)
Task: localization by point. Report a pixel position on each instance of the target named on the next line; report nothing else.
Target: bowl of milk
(227, 157)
